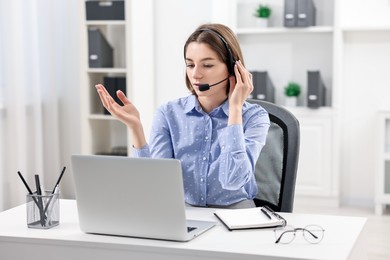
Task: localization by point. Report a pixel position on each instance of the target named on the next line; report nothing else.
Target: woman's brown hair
(220, 39)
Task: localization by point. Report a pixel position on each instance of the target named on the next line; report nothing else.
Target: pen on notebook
(58, 181)
(265, 213)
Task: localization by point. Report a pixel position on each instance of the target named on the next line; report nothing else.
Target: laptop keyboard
(189, 229)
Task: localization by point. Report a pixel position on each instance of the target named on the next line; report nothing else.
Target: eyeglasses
(312, 234)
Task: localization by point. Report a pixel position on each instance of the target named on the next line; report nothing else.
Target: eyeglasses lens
(286, 234)
(313, 234)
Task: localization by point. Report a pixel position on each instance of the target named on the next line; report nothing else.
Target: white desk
(66, 241)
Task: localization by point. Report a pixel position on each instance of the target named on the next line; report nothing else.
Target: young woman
(214, 132)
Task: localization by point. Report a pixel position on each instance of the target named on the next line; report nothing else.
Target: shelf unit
(382, 196)
(286, 53)
(133, 54)
(101, 133)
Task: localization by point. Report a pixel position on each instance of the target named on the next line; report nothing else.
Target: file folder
(99, 50)
(263, 87)
(289, 13)
(316, 90)
(113, 84)
(306, 13)
(299, 13)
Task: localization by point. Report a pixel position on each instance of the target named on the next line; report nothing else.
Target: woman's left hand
(241, 86)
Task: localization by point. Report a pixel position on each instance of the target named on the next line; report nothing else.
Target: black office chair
(276, 168)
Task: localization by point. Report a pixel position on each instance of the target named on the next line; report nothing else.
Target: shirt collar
(193, 104)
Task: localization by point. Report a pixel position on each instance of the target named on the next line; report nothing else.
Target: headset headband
(231, 60)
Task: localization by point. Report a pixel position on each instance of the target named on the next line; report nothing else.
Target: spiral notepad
(261, 217)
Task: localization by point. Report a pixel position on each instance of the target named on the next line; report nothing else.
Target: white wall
(364, 13)
(175, 20)
(69, 96)
(366, 90)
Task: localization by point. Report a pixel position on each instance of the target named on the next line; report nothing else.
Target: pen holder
(43, 211)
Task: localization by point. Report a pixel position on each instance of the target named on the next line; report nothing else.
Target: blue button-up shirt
(217, 160)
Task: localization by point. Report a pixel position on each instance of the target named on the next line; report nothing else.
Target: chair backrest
(276, 168)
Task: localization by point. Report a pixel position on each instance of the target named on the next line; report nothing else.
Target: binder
(121, 84)
(299, 13)
(99, 50)
(316, 90)
(306, 13)
(263, 87)
(289, 13)
(113, 84)
(105, 10)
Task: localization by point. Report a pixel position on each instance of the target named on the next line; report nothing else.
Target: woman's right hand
(127, 113)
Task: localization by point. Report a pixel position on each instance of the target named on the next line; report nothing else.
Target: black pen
(38, 184)
(40, 202)
(25, 183)
(28, 189)
(59, 179)
(265, 213)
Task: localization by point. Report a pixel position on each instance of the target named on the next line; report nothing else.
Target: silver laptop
(137, 197)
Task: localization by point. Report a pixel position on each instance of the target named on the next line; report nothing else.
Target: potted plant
(292, 91)
(262, 14)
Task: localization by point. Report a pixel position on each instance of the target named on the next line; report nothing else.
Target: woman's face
(205, 67)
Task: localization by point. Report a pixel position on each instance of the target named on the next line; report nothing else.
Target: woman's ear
(231, 85)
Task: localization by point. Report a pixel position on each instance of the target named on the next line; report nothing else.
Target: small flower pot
(291, 101)
(262, 22)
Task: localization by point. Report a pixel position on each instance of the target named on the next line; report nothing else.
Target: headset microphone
(204, 87)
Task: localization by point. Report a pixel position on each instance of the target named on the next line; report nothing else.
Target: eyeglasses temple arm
(304, 229)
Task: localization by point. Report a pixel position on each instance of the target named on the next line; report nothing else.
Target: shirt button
(201, 179)
(207, 138)
(204, 158)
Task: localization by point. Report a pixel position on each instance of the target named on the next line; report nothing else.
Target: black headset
(231, 61)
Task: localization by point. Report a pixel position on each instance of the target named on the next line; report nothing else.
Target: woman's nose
(196, 73)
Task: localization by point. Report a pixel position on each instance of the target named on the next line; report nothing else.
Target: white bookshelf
(382, 176)
(100, 132)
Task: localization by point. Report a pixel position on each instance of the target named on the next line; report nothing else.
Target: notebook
(261, 217)
(136, 197)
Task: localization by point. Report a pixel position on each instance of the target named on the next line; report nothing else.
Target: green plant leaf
(292, 89)
(263, 11)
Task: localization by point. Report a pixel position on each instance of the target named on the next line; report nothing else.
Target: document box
(105, 10)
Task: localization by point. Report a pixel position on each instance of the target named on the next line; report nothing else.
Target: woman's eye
(190, 65)
(208, 65)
